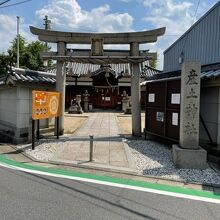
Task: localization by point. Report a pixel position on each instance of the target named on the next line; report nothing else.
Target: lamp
(181, 58)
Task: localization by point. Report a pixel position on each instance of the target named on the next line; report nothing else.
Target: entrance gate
(98, 56)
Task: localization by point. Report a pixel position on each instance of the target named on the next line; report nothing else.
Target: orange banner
(45, 104)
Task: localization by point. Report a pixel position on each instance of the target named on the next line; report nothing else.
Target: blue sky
(104, 16)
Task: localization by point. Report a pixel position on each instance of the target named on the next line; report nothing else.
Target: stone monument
(86, 101)
(76, 105)
(189, 154)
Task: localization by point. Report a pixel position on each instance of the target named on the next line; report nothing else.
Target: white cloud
(7, 31)
(126, 1)
(68, 15)
(176, 16)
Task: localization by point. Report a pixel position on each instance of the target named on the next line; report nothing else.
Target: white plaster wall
(16, 112)
(8, 105)
(209, 109)
(24, 100)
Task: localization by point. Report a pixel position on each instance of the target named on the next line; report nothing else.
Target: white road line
(155, 191)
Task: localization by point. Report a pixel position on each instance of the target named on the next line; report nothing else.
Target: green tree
(13, 49)
(32, 57)
(29, 53)
(153, 63)
(6, 62)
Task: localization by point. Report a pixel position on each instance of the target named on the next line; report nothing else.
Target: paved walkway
(109, 148)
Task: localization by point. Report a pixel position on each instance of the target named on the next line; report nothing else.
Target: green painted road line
(135, 183)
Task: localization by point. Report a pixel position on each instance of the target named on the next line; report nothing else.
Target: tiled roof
(148, 71)
(22, 75)
(211, 74)
(30, 76)
(123, 69)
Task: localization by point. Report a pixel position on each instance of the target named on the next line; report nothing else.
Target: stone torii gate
(98, 56)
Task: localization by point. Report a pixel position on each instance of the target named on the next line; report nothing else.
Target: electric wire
(2, 3)
(18, 3)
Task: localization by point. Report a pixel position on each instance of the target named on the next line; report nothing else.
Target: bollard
(91, 148)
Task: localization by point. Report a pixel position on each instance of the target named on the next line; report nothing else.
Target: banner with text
(45, 104)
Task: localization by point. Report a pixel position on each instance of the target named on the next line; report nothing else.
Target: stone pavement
(109, 149)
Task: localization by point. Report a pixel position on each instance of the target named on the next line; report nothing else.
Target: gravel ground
(155, 159)
(45, 149)
(151, 158)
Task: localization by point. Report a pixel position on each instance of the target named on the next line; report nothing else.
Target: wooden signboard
(45, 104)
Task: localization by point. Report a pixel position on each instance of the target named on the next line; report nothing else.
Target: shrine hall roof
(18, 75)
(119, 70)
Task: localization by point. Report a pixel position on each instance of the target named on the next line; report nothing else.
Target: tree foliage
(5, 64)
(153, 63)
(29, 54)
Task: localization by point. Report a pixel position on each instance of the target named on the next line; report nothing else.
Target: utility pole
(18, 39)
(47, 24)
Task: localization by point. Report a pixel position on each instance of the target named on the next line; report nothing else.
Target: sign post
(33, 134)
(45, 105)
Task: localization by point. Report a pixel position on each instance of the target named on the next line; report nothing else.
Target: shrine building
(105, 83)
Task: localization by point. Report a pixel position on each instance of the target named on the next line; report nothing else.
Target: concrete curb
(163, 188)
(135, 176)
(131, 161)
(108, 169)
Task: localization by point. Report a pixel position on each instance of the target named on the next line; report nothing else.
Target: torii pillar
(60, 83)
(135, 92)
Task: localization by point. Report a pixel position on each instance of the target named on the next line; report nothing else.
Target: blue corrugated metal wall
(201, 42)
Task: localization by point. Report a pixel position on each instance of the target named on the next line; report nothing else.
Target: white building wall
(16, 113)
(8, 108)
(24, 100)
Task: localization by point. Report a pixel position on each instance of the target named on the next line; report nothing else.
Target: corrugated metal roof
(194, 25)
(205, 75)
(200, 43)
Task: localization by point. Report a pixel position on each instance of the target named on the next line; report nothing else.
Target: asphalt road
(29, 196)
